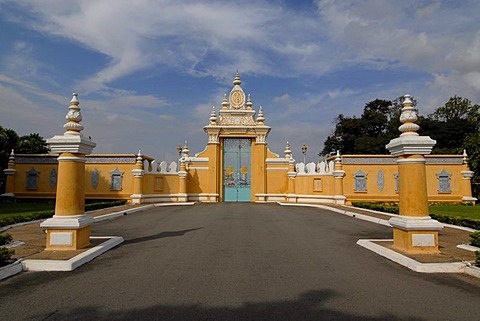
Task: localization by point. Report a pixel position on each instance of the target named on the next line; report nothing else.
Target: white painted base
(67, 222)
(412, 223)
(455, 267)
(75, 262)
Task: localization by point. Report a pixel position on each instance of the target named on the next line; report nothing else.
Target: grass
(464, 211)
(18, 208)
(17, 212)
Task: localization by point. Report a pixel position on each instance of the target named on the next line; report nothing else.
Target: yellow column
(413, 230)
(338, 175)
(466, 184)
(10, 173)
(138, 174)
(182, 175)
(291, 174)
(69, 228)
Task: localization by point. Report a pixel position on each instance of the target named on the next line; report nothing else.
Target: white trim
(411, 161)
(277, 161)
(197, 168)
(68, 222)
(412, 223)
(198, 160)
(72, 159)
(277, 168)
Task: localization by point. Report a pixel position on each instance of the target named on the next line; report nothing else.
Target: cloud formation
(381, 49)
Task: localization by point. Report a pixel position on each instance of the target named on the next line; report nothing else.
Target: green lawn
(11, 213)
(8, 209)
(472, 212)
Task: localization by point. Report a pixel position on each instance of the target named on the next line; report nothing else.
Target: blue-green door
(237, 170)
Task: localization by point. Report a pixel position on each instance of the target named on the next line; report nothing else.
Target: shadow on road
(160, 235)
(308, 307)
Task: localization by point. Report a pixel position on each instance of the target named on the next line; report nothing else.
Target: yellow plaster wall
(277, 181)
(304, 185)
(44, 190)
(104, 180)
(170, 184)
(373, 193)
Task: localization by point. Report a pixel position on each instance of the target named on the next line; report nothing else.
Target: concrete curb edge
(75, 262)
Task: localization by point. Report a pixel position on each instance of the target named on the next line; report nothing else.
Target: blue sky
(147, 72)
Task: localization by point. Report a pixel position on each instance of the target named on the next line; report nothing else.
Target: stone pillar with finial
(69, 228)
(414, 231)
(10, 174)
(291, 174)
(338, 174)
(138, 173)
(183, 174)
(466, 184)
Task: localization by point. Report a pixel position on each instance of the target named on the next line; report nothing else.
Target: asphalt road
(237, 261)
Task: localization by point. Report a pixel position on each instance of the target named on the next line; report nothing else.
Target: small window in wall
(317, 185)
(95, 175)
(53, 178)
(116, 177)
(444, 182)
(396, 182)
(32, 179)
(380, 180)
(360, 181)
(158, 184)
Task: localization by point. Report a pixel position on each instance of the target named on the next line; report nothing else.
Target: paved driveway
(239, 262)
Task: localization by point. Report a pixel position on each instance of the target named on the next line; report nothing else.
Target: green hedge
(393, 209)
(5, 239)
(382, 207)
(5, 255)
(32, 216)
(477, 260)
(460, 221)
(475, 239)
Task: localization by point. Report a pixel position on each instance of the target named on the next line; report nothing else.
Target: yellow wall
(267, 178)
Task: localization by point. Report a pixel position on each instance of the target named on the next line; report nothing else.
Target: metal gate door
(236, 170)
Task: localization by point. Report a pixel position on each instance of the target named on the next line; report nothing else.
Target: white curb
(344, 212)
(75, 262)
(470, 248)
(11, 269)
(455, 267)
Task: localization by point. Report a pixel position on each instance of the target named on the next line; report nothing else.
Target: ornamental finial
(260, 118)
(185, 150)
(225, 102)
(213, 117)
(249, 102)
(408, 118)
(236, 80)
(74, 117)
(288, 151)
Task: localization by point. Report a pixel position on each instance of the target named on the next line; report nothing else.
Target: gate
(236, 170)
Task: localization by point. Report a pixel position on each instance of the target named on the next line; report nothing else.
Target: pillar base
(415, 235)
(67, 233)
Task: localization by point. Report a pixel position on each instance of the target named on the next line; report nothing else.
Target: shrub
(460, 221)
(475, 239)
(383, 207)
(32, 216)
(477, 259)
(5, 255)
(5, 239)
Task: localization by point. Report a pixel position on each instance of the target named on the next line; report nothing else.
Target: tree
(368, 134)
(31, 144)
(9, 140)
